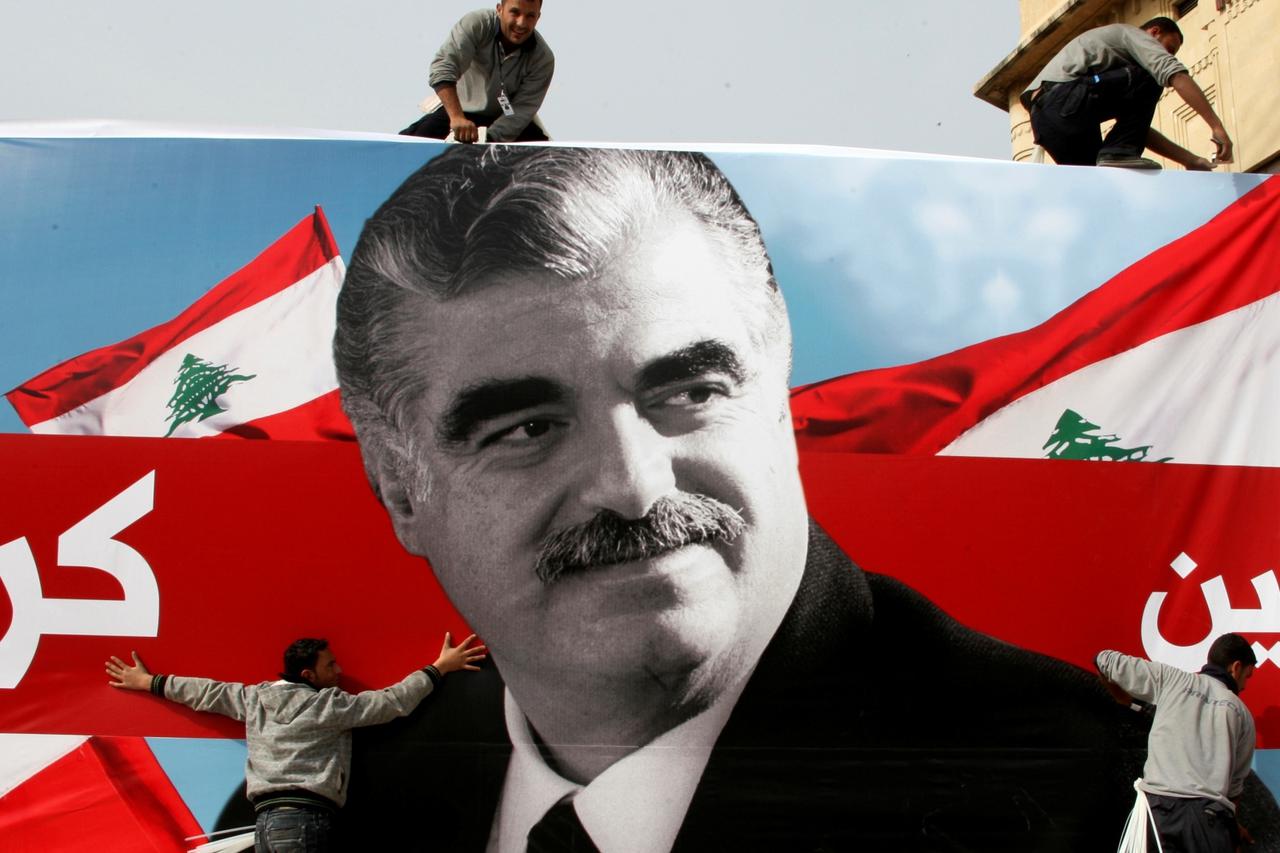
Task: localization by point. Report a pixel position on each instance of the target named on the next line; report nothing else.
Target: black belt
(297, 798)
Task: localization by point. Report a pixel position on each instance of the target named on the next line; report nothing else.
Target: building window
(1182, 7)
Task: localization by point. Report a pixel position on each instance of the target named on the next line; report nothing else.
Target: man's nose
(626, 465)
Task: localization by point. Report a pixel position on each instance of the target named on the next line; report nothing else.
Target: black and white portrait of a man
(568, 373)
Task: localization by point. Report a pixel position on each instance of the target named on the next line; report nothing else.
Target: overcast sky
(891, 75)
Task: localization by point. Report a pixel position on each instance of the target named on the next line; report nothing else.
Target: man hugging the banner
(298, 730)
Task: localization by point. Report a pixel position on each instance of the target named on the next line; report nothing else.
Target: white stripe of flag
(281, 342)
(1203, 394)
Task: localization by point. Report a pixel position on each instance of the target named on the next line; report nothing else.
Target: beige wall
(1036, 12)
(1234, 55)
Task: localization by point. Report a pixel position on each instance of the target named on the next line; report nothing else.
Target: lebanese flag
(250, 359)
(101, 793)
(1177, 358)
(253, 356)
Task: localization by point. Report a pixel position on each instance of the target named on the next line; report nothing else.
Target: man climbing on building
(299, 730)
(491, 74)
(1117, 72)
(1201, 743)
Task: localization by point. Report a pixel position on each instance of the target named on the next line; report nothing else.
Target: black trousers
(435, 125)
(1065, 116)
(1193, 825)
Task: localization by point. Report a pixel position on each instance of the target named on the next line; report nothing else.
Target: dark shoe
(1121, 161)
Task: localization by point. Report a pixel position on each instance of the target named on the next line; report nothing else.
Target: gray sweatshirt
(472, 58)
(1202, 740)
(299, 737)
(1104, 48)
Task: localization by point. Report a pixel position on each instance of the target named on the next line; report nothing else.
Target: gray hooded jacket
(299, 737)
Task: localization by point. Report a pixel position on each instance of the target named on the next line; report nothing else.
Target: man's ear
(393, 490)
(309, 676)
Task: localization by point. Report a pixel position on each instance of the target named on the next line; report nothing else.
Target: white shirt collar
(635, 806)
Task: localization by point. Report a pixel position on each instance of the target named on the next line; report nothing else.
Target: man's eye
(521, 433)
(695, 396)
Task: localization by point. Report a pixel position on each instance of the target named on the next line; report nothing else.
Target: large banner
(870, 624)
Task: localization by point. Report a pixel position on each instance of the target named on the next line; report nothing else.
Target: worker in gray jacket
(299, 730)
(1117, 72)
(1201, 745)
(491, 72)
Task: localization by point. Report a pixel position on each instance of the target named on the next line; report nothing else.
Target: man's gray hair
(476, 212)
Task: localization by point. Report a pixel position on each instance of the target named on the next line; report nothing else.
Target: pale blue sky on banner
(883, 261)
(868, 74)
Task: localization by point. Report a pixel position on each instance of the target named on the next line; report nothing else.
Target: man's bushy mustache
(673, 522)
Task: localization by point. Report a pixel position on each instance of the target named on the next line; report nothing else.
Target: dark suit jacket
(873, 722)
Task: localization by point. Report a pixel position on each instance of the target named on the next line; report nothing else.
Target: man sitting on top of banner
(1119, 72)
(489, 77)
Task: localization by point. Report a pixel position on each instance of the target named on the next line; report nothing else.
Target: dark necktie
(560, 831)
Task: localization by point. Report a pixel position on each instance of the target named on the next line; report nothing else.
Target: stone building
(1232, 48)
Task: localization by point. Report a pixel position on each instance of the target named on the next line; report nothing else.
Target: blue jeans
(285, 829)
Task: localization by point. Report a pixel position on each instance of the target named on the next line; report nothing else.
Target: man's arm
(1242, 756)
(201, 694)
(464, 129)
(1242, 763)
(1166, 70)
(1195, 98)
(451, 61)
(1166, 147)
(372, 707)
(1140, 678)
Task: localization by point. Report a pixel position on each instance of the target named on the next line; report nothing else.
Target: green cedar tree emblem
(1071, 439)
(200, 384)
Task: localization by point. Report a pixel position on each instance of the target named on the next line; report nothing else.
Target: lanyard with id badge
(499, 57)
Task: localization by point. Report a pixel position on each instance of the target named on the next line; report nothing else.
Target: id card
(505, 103)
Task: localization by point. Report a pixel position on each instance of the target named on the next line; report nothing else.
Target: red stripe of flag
(1228, 262)
(321, 419)
(305, 248)
(110, 794)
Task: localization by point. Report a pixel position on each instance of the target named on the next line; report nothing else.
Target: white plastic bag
(1134, 839)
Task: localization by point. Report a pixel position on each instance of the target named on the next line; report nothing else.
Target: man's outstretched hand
(452, 658)
(136, 677)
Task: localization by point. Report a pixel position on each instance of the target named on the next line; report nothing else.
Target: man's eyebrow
(697, 359)
(491, 399)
